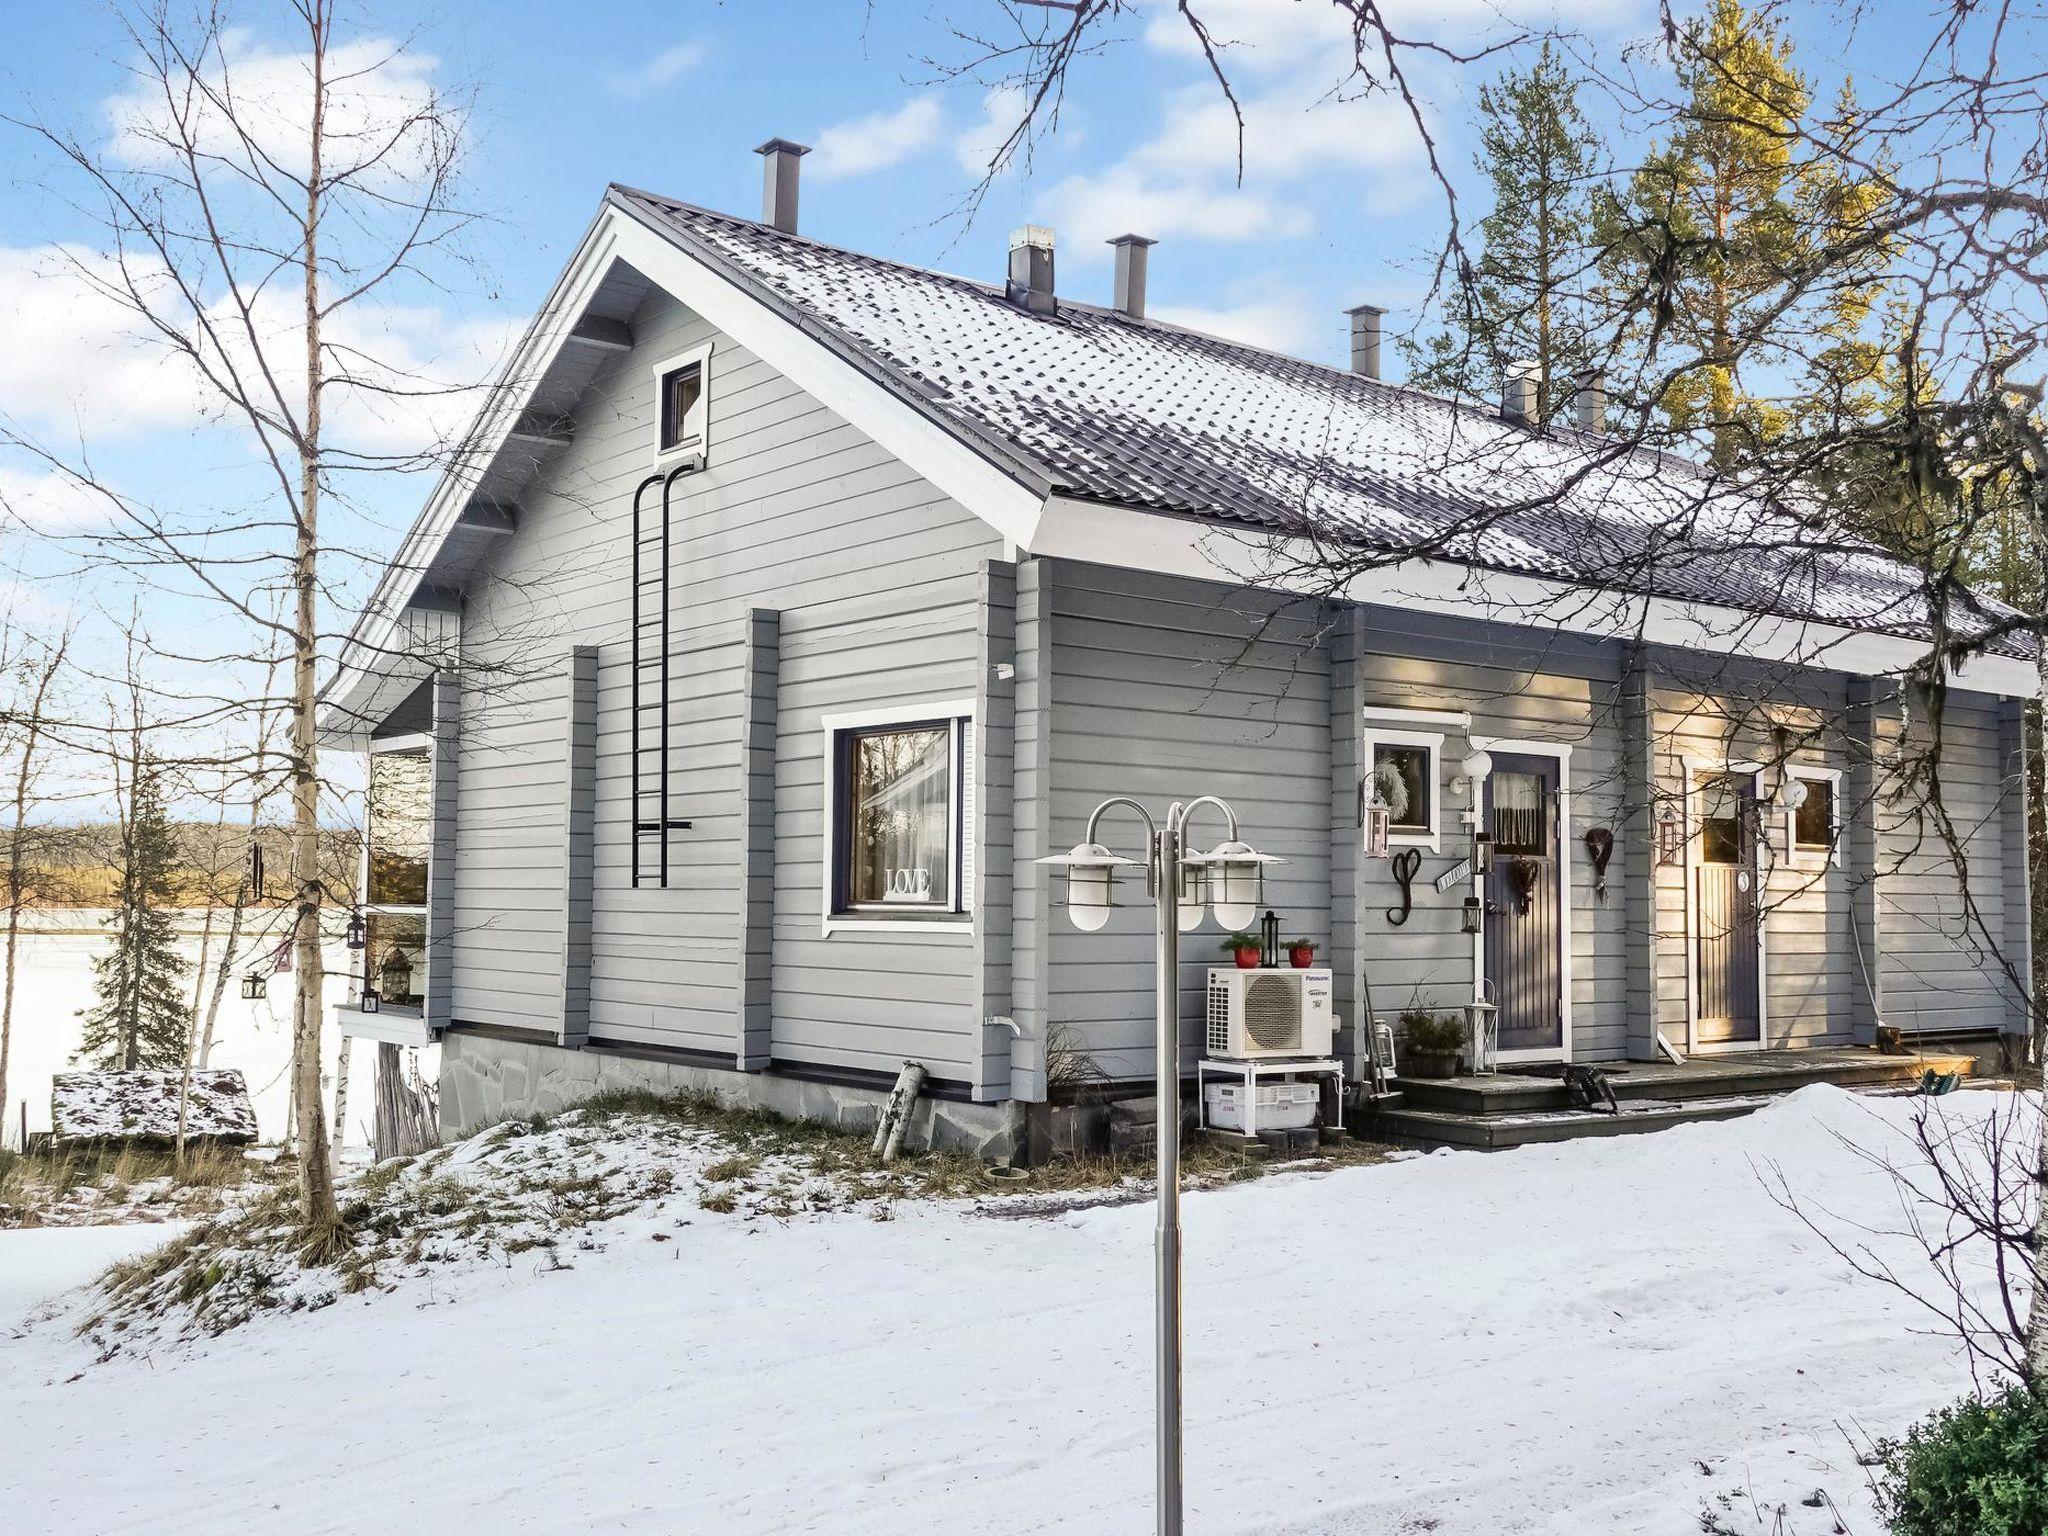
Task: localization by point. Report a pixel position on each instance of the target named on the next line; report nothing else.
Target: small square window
(682, 402)
(899, 797)
(1813, 824)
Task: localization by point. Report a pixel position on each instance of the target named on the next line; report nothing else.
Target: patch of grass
(77, 1184)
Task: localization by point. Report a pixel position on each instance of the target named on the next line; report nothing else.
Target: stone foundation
(486, 1079)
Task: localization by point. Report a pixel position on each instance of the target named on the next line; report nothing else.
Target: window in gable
(682, 399)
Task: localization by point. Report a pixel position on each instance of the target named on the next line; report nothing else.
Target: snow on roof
(1143, 414)
(143, 1106)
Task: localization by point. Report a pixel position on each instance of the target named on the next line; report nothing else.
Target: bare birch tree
(36, 678)
(226, 189)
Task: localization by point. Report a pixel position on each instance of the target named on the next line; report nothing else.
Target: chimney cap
(1366, 309)
(1130, 240)
(1031, 234)
(783, 147)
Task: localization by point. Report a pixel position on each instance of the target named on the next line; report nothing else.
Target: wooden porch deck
(1519, 1106)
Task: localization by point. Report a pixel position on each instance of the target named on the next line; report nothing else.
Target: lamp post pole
(1166, 1237)
(1230, 878)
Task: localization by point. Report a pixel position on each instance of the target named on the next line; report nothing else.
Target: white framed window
(397, 851)
(682, 404)
(899, 843)
(1813, 833)
(1404, 766)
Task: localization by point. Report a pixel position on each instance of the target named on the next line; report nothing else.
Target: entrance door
(1525, 902)
(1725, 911)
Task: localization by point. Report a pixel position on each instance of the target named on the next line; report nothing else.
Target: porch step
(1515, 1109)
(1432, 1128)
(1701, 1077)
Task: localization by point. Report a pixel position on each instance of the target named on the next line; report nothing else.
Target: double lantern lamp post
(1181, 884)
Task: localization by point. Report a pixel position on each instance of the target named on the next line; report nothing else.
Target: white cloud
(1263, 36)
(80, 365)
(1284, 322)
(1001, 110)
(1088, 210)
(43, 501)
(876, 142)
(656, 73)
(382, 107)
(1288, 133)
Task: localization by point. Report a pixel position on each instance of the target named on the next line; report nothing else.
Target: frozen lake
(55, 982)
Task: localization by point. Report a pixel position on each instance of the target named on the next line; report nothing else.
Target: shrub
(1978, 1468)
(1435, 1034)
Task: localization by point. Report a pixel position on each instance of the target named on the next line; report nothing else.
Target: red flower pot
(1247, 959)
(1302, 956)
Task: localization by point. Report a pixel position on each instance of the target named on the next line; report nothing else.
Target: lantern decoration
(1269, 941)
(254, 985)
(1670, 835)
(358, 933)
(1091, 872)
(1377, 818)
(1482, 853)
(370, 1001)
(396, 972)
(1236, 873)
(1472, 914)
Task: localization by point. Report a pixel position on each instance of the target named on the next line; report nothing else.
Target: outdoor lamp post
(1230, 875)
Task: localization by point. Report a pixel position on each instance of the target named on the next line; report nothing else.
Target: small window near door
(1521, 823)
(1720, 821)
(1813, 824)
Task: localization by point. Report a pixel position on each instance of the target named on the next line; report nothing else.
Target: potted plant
(1436, 1041)
(1245, 948)
(1301, 953)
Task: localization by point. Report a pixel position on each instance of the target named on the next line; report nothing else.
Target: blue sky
(1335, 206)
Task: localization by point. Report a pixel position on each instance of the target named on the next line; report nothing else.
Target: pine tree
(138, 1018)
(1524, 299)
(1715, 220)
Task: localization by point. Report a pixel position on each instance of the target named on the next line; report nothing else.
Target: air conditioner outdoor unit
(1265, 1013)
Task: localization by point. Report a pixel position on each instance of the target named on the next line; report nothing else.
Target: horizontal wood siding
(1938, 972)
(1165, 690)
(874, 574)
(1517, 683)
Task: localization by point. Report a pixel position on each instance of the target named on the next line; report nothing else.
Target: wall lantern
(1670, 835)
(1377, 818)
(1474, 771)
(1237, 882)
(370, 1001)
(358, 934)
(1472, 914)
(1091, 870)
(255, 985)
(1791, 792)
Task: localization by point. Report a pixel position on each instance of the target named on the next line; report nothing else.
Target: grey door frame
(1695, 768)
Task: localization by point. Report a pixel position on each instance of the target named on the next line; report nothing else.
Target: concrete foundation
(487, 1078)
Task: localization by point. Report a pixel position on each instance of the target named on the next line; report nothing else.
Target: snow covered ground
(1599, 1337)
(55, 981)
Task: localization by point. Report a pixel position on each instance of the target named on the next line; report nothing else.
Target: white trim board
(1566, 871)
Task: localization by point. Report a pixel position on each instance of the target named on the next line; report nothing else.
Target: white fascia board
(969, 477)
(1180, 546)
(348, 703)
(1011, 508)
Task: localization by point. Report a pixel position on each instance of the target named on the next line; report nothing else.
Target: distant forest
(80, 865)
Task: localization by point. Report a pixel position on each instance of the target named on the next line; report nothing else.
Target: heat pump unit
(1261, 1013)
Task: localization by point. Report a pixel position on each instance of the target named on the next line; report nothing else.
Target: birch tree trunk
(2037, 1306)
(316, 1171)
(17, 854)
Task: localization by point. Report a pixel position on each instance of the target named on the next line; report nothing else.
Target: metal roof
(1092, 404)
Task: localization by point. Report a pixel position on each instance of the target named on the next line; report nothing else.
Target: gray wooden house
(794, 602)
